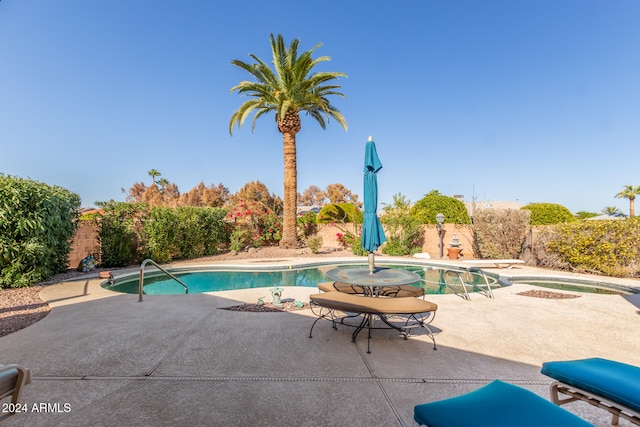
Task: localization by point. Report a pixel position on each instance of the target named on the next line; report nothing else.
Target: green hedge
(120, 231)
(129, 232)
(185, 232)
(37, 223)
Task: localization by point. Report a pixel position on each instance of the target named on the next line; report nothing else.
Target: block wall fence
(86, 242)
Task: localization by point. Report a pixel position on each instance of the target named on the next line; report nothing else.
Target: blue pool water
(211, 281)
(431, 279)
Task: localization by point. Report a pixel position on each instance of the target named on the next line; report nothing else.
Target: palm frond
(287, 84)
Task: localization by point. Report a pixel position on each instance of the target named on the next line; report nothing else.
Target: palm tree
(630, 192)
(153, 174)
(287, 90)
(612, 211)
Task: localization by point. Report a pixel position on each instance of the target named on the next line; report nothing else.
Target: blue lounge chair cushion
(614, 381)
(496, 404)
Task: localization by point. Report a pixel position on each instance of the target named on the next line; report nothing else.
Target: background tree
(549, 213)
(426, 209)
(163, 182)
(153, 174)
(312, 196)
(612, 211)
(338, 193)
(136, 192)
(585, 214)
(254, 198)
(203, 196)
(630, 192)
(287, 90)
(161, 193)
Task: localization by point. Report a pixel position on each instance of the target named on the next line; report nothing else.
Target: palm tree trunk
(632, 207)
(289, 232)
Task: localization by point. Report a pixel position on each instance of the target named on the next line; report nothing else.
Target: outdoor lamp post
(440, 219)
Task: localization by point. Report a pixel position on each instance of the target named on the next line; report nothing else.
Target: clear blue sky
(536, 101)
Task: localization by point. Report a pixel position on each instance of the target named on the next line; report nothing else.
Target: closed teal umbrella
(372, 232)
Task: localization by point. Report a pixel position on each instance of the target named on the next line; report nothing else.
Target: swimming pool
(226, 280)
(563, 284)
(201, 279)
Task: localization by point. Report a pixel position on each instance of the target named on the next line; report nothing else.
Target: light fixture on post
(440, 220)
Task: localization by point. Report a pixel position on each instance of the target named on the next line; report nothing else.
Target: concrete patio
(180, 360)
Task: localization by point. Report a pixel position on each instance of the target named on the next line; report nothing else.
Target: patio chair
(497, 404)
(12, 379)
(603, 383)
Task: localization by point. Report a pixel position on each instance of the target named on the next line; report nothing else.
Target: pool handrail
(484, 288)
(155, 264)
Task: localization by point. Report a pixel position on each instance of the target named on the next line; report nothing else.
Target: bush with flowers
(307, 225)
(347, 218)
(254, 227)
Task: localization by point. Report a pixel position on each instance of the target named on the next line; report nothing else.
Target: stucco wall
(431, 240)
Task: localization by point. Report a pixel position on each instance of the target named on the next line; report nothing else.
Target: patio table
(372, 282)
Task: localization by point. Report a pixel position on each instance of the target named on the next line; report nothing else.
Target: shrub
(426, 209)
(259, 228)
(239, 239)
(314, 243)
(403, 231)
(500, 233)
(607, 247)
(549, 213)
(347, 218)
(307, 225)
(355, 243)
(184, 232)
(269, 228)
(119, 231)
(340, 213)
(37, 224)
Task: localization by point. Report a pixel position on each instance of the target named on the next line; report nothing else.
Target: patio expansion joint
(291, 379)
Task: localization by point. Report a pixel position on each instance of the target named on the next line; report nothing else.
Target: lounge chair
(12, 379)
(609, 385)
(497, 404)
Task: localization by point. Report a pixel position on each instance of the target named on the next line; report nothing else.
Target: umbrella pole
(372, 260)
